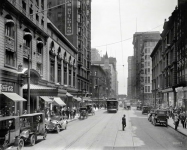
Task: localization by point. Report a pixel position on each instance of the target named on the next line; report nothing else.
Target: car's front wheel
(32, 140)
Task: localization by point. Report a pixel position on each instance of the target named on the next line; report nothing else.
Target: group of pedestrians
(68, 113)
(180, 117)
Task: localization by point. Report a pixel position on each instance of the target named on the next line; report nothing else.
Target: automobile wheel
(32, 139)
(20, 144)
(58, 129)
(45, 135)
(154, 122)
(166, 123)
(1, 147)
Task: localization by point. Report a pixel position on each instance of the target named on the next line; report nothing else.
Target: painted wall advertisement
(6, 87)
(69, 17)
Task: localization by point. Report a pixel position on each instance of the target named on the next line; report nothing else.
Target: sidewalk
(180, 129)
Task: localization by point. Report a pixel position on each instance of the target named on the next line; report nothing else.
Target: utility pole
(28, 85)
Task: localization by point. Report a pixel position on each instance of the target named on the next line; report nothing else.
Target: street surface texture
(103, 131)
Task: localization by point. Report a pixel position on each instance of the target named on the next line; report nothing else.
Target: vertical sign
(69, 17)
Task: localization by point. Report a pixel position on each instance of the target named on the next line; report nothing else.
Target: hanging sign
(69, 17)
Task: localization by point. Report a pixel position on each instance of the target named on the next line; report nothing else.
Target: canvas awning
(46, 98)
(77, 98)
(69, 95)
(86, 99)
(14, 96)
(58, 101)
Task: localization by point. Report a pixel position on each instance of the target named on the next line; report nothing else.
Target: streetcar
(112, 105)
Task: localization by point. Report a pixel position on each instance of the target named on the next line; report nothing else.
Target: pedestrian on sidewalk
(123, 122)
(176, 121)
(182, 118)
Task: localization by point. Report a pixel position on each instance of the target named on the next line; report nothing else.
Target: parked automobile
(160, 117)
(145, 109)
(32, 125)
(56, 123)
(83, 112)
(139, 106)
(10, 133)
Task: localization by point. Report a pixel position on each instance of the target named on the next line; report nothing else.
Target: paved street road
(103, 131)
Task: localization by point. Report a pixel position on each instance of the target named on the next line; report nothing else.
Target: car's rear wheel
(166, 123)
(20, 144)
(32, 140)
(58, 129)
(45, 135)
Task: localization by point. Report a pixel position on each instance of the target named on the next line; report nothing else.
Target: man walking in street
(176, 121)
(123, 122)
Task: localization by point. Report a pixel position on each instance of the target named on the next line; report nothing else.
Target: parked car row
(15, 131)
(158, 116)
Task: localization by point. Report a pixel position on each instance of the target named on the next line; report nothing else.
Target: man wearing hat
(123, 122)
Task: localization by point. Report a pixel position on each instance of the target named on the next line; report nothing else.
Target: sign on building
(69, 17)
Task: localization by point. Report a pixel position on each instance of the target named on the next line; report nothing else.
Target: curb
(177, 130)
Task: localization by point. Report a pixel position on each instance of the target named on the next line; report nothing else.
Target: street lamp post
(28, 86)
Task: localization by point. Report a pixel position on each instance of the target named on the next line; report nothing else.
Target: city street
(103, 131)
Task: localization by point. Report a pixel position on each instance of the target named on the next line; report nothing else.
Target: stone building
(73, 19)
(173, 43)
(38, 66)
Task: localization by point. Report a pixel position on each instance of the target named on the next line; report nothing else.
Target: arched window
(39, 56)
(52, 47)
(27, 38)
(39, 46)
(10, 57)
(9, 27)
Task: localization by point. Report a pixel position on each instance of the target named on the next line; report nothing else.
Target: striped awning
(13, 96)
(38, 87)
(46, 98)
(58, 101)
(77, 98)
(69, 95)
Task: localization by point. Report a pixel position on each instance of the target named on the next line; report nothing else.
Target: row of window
(147, 89)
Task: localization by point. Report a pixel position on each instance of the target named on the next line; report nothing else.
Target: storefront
(168, 98)
(10, 100)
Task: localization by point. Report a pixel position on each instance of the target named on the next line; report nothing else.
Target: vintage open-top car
(160, 117)
(90, 109)
(10, 133)
(56, 123)
(32, 125)
(83, 112)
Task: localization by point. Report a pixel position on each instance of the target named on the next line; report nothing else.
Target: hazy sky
(136, 15)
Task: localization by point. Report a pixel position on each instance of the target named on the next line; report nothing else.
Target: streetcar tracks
(82, 135)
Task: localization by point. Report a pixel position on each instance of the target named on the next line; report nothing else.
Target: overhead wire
(127, 38)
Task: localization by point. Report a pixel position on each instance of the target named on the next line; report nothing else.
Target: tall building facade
(73, 19)
(140, 44)
(110, 62)
(130, 79)
(146, 68)
(173, 47)
(38, 63)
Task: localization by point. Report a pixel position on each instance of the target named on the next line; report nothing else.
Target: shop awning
(46, 98)
(13, 96)
(86, 99)
(69, 95)
(77, 98)
(37, 87)
(58, 101)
